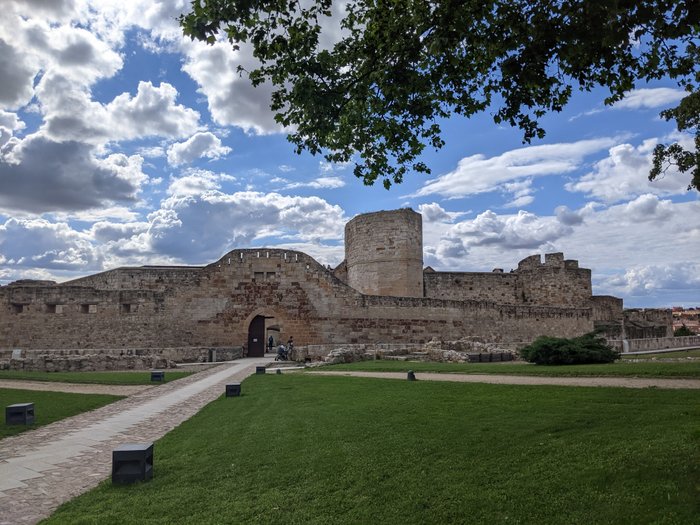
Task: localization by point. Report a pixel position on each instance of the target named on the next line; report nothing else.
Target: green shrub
(682, 331)
(589, 348)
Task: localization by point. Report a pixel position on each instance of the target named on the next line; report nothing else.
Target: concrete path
(42, 468)
(505, 379)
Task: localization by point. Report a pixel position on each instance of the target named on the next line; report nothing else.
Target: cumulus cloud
(623, 174)
(523, 230)
(39, 175)
(16, 88)
(479, 174)
(72, 115)
(231, 98)
(200, 227)
(641, 280)
(43, 244)
(204, 144)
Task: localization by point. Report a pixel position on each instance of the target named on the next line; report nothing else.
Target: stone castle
(380, 293)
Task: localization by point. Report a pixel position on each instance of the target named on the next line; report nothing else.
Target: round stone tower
(384, 253)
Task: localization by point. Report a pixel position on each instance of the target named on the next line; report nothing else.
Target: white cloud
(623, 174)
(194, 182)
(231, 97)
(681, 278)
(200, 227)
(650, 98)
(72, 115)
(479, 174)
(43, 244)
(318, 183)
(204, 144)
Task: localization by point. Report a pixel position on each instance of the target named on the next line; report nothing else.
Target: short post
(260, 369)
(279, 371)
(157, 375)
(411, 376)
(233, 390)
(132, 462)
(19, 414)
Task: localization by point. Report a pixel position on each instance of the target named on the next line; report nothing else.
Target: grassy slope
(49, 406)
(140, 377)
(620, 368)
(300, 449)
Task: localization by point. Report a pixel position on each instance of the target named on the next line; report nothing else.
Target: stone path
(42, 468)
(505, 379)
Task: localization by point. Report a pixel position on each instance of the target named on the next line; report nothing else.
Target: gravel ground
(77, 388)
(624, 382)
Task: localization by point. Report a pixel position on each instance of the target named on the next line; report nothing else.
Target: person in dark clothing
(270, 343)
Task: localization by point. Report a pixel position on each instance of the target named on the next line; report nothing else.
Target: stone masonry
(285, 292)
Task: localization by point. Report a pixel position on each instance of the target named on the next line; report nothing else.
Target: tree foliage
(682, 331)
(374, 86)
(589, 348)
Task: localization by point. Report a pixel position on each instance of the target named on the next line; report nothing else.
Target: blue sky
(122, 144)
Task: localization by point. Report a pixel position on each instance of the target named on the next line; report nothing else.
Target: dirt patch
(76, 388)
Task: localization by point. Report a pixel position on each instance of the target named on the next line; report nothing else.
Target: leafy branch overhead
(370, 80)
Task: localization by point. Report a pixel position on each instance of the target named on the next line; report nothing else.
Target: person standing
(270, 343)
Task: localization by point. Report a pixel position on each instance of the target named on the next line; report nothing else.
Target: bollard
(233, 390)
(260, 369)
(157, 375)
(19, 414)
(132, 462)
(279, 371)
(411, 376)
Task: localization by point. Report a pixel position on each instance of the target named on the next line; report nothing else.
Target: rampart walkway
(42, 468)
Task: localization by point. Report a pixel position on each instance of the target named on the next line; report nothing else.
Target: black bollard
(411, 376)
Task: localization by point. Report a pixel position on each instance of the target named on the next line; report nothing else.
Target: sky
(122, 143)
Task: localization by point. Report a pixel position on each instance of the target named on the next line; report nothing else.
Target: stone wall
(479, 286)
(655, 343)
(215, 306)
(384, 253)
(91, 359)
(554, 282)
(642, 323)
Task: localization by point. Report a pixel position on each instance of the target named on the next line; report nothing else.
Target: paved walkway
(42, 468)
(506, 379)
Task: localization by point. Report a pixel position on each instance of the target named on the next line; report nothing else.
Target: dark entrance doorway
(256, 337)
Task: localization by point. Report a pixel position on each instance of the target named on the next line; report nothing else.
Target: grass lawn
(137, 377)
(49, 406)
(620, 368)
(334, 450)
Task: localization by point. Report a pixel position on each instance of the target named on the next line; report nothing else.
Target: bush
(589, 348)
(682, 331)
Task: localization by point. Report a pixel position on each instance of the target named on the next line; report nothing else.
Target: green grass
(140, 377)
(617, 369)
(335, 450)
(49, 406)
(681, 354)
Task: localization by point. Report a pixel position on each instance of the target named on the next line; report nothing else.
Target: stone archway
(261, 324)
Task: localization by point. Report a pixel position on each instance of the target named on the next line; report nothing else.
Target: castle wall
(384, 253)
(479, 286)
(215, 306)
(606, 308)
(642, 323)
(556, 282)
